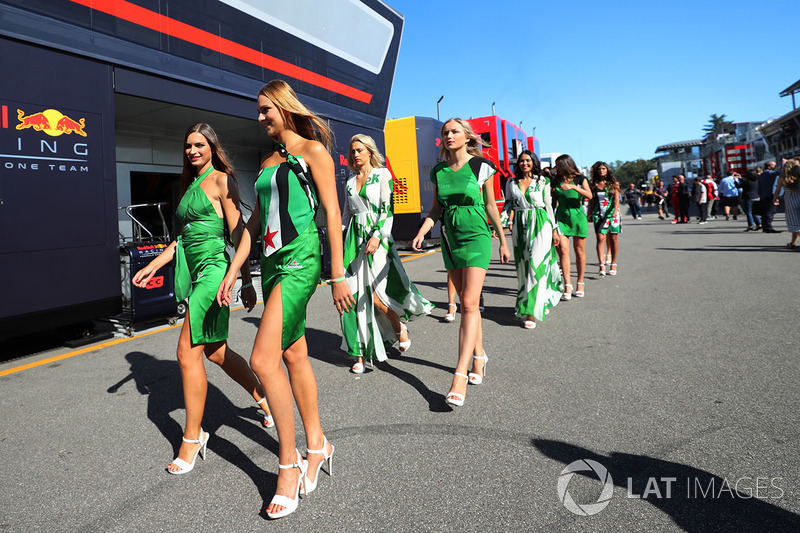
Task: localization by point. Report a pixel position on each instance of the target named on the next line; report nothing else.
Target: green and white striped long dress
(540, 283)
(368, 213)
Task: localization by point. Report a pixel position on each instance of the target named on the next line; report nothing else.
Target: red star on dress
(268, 236)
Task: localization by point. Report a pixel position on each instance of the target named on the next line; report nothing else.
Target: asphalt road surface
(667, 399)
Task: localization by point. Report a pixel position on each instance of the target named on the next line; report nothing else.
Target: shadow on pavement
(161, 382)
(699, 500)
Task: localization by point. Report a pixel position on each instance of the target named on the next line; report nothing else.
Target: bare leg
(451, 290)
(266, 363)
(601, 249)
(237, 368)
(470, 282)
(563, 256)
(304, 387)
(613, 245)
(392, 317)
(579, 243)
(195, 388)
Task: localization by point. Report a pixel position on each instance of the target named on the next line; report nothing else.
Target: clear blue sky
(600, 80)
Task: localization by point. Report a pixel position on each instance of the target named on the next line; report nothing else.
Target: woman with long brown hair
(209, 202)
(569, 189)
(463, 196)
(297, 175)
(604, 211)
(535, 233)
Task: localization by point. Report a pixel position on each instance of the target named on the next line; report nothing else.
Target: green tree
(716, 123)
(633, 171)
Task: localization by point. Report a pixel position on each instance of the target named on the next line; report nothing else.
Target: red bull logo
(52, 122)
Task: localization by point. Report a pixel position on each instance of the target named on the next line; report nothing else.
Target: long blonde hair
(474, 141)
(296, 116)
(376, 159)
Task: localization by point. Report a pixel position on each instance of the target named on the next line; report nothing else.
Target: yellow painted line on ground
(418, 255)
(80, 351)
(107, 344)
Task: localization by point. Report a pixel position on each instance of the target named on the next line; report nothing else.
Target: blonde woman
(296, 176)
(375, 273)
(463, 196)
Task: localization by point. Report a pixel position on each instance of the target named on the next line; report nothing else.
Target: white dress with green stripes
(539, 280)
(368, 213)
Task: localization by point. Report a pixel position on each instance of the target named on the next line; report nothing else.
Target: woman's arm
(142, 278)
(323, 173)
(494, 218)
(382, 229)
(433, 215)
(584, 189)
(776, 197)
(250, 234)
(230, 202)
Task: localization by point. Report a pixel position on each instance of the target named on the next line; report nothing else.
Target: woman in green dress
(570, 187)
(463, 196)
(603, 210)
(210, 201)
(375, 273)
(297, 175)
(534, 231)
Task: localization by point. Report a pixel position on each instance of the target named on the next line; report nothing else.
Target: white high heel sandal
(454, 398)
(290, 504)
(328, 458)
(404, 345)
(451, 313)
(477, 379)
(185, 467)
(268, 421)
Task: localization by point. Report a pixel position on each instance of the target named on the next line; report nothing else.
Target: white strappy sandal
(477, 379)
(268, 421)
(404, 345)
(185, 467)
(328, 458)
(454, 398)
(290, 504)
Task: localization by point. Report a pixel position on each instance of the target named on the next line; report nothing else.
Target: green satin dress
(201, 264)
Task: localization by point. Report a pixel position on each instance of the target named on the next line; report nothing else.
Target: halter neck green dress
(201, 264)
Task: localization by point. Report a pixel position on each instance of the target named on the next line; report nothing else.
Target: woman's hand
(342, 297)
(416, 244)
(556, 238)
(505, 254)
(372, 245)
(142, 278)
(249, 297)
(225, 291)
(566, 186)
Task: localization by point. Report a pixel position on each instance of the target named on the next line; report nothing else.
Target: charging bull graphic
(52, 122)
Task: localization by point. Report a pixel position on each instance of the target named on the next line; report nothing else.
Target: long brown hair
(296, 116)
(565, 168)
(219, 157)
(610, 179)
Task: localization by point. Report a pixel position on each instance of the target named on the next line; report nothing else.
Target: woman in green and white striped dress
(374, 271)
(534, 231)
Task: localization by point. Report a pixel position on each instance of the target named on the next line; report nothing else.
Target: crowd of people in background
(756, 196)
